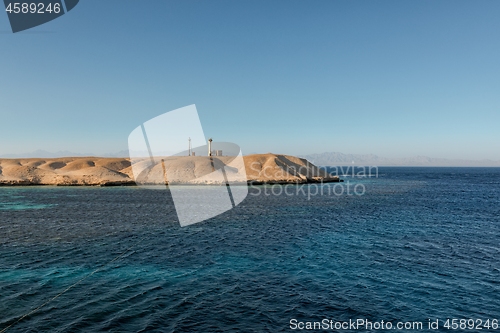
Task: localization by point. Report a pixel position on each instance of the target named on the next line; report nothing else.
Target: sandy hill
(260, 168)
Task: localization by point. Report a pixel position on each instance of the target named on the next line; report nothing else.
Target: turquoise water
(419, 243)
(11, 199)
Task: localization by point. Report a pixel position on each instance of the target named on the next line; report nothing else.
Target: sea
(399, 247)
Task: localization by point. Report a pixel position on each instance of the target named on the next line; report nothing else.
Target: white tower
(189, 147)
(210, 147)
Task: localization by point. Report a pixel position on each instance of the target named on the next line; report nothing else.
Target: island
(98, 171)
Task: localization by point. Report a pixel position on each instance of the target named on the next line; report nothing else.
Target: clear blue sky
(393, 78)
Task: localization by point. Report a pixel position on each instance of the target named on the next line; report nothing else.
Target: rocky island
(96, 171)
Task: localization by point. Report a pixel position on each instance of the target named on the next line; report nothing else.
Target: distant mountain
(44, 154)
(323, 159)
(63, 153)
(121, 153)
(337, 159)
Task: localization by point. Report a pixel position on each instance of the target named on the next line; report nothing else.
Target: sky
(393, 78)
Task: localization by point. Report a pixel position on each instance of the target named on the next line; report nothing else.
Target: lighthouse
(210, 147)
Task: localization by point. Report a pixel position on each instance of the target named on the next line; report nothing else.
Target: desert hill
(67, 171)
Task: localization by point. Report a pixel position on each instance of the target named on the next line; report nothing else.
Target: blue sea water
(418, 244)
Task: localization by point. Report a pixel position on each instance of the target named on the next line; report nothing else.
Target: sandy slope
(260, 168)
